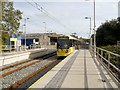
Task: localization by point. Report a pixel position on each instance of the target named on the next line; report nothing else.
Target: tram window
(63, 43)
(71, 43)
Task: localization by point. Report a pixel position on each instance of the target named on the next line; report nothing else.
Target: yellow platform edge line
(33, 85)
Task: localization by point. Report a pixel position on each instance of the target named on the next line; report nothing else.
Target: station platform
(78, 70)
(19, 52)
(14, 57)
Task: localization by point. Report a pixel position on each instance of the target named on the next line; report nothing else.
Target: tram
(66, 44)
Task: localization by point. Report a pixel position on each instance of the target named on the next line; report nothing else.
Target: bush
(112, 48)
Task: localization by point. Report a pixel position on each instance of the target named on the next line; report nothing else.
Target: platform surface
(78, 70)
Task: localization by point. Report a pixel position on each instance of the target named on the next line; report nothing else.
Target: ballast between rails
(16, 84)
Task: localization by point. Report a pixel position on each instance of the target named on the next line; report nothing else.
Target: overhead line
(47, 13)
(40, 8)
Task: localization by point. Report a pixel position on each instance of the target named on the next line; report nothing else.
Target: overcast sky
(68, 16)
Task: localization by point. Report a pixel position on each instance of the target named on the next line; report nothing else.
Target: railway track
(21, 65)
(7, 72)
(17, 74)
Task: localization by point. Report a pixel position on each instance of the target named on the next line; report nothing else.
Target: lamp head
(86, 17)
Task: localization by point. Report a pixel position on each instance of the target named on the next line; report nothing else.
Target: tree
(0, 25)
(108, 33)
(11, 18)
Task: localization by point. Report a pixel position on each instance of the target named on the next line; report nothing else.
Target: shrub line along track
(24, 79)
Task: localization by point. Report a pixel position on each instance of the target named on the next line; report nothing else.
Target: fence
(109, 60)
(13, 48)
(49, 46)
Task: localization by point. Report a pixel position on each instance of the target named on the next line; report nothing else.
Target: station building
(18, 42)
(40, 39)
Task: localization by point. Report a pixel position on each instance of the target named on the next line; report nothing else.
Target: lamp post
(10, 40)
(48, 36)
(25, 30)
(90, 30)
(45, 26)
(45, 34)
(94, 31)
(17, 41)
(1, 41)
(90, 24)
(1, 28)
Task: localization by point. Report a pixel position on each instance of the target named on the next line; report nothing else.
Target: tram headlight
(58, 50)
(66, 51)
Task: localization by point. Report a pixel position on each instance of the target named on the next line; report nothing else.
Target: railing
(9, 48)
(109, 60)
(12, 48)
(33, 47)
(49, 46)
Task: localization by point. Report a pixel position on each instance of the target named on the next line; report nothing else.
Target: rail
(109, 60)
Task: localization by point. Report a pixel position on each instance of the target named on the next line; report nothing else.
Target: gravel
(7, 81)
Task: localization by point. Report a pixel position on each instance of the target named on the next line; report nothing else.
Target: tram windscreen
(63, 43)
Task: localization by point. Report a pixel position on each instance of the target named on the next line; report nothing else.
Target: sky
(65, 16)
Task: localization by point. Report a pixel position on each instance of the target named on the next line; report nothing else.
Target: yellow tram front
(65, 45)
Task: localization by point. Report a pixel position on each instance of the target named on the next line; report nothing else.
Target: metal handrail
(109, 62)
(108, 52)
(99, 53)
(13, 48)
